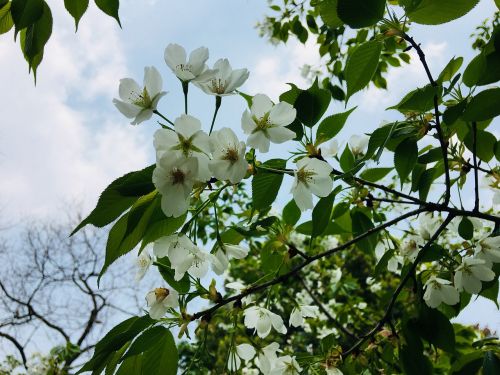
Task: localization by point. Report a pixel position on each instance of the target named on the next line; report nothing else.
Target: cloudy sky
(64, 141)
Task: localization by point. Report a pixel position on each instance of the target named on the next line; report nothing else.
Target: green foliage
(6, 21)
(110, 7)
(405, 158)
(360, 13)
(266, 184)
(311, 104)
(77, 9)
(430, 12)
(332, 125)
(483, 106)
(321, 214)
(419, 100)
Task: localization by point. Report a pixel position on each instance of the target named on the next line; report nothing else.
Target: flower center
(184, 67)
(141, 99)
(161, 294)
(304, 175)
(231, 155)
(263, 123)
(218, 85)
(177, 176)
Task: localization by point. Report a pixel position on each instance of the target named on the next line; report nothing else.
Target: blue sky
(63, 141)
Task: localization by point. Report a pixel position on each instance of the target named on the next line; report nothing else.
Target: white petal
(247, 123)
(282, 114)
(157, 311)
(152, 81)
(321, 186)
(175, 55)
(302, 196)
(259, 141)
(197, 60)
(296, 318)
(129, 110)
(237, 78)
(187, 125)
(261, 104)
(142, 116)
(280, 134)
(129, 89)
(245, 351)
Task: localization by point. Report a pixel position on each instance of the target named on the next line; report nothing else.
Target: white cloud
(63, 139)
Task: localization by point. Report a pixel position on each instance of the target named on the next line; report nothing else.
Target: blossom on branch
(262, 320)
(311, 177)
(228, 156)
(439, 290)
(193, 70)
(159, 300)
(225, 80)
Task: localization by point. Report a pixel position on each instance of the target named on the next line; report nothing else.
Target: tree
(49, 294)
(389, 253)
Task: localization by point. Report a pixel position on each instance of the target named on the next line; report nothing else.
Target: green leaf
(162, 357)
(118, 196)
(419, 100)
(424, 183)
(34, 38)
(467, 364)
(491, 363)
(328, 13)
(414, 363)
(77, 9)
(331, 126)
(474, 71)
(435, 327)
(405, 158)
(346, 160)
(483, 106)
(360, 225)
(115, 339)
(360, 13)
(321, 214)
(110, 7)
(291, 213)
(6, 21)
(265, 185)
(160, 226)
(311, 104)
(466, 229)
(123, 237)
(299, 30)
(452, 113)
(131, 366)
(374, 174)
(431, 156)
(450, 69)
(361, 66)
(490, 291)
(26, 12)
(486, 143)
(145, 341)
(431, 12)
(165, 268)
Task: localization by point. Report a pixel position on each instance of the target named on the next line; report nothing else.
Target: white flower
(242, 351)
(428, 226)
(194, 69)
(228, 156)
(358, 143)
(225, 80)
(160, 300)
(373, 285)
(224, 253)
(411, 247)
(268, 357)
(336, 275)
(286, 365)
(438, 290)
(262, 320)
(139, 103)
(470, 273)
(174, 179)
(188, 140)
(488, 249)
(142, 262)
(185, 256)
(163, 245)
(266, 122)
(331, 150)
(299, 313)
(311, 177)
(236, 285)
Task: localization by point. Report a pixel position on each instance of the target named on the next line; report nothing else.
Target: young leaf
(374, 174)
(265, 185)
(405, 158)
(360, 13)
(321, 214)
(6, 21)
(311, 104)
(418, 100)
(450, 69)
(291, 213)
(361, 65)
(347, 160)
(110, 7)
(431, 12)
(486, 144)
(474, 71)
(119, 196)
(77, 9)
(332, 125)
(328, 13)
(361, 224)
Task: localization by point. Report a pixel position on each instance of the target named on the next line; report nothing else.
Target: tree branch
(474, 159)
(18, 346)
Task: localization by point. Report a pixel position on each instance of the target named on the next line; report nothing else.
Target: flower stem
(218, 101)
(163, 117)
(185, 88)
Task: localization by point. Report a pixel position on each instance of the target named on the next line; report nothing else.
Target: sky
(63, 141)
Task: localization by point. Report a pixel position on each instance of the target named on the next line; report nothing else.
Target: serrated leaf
(311, 104)
(360, 13)
(431, 12)
(77, 9)
(265, 185)
(131, 366)
(6, 21)
(450, 69)
(418, 100)
(322, 213)
(119, 196)
(405, 158)
(328, 13)
(110, 7)
(483, 106)
(361, 66)
(26, 12)
(331, 126)
(145, 341)
(374, 174)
